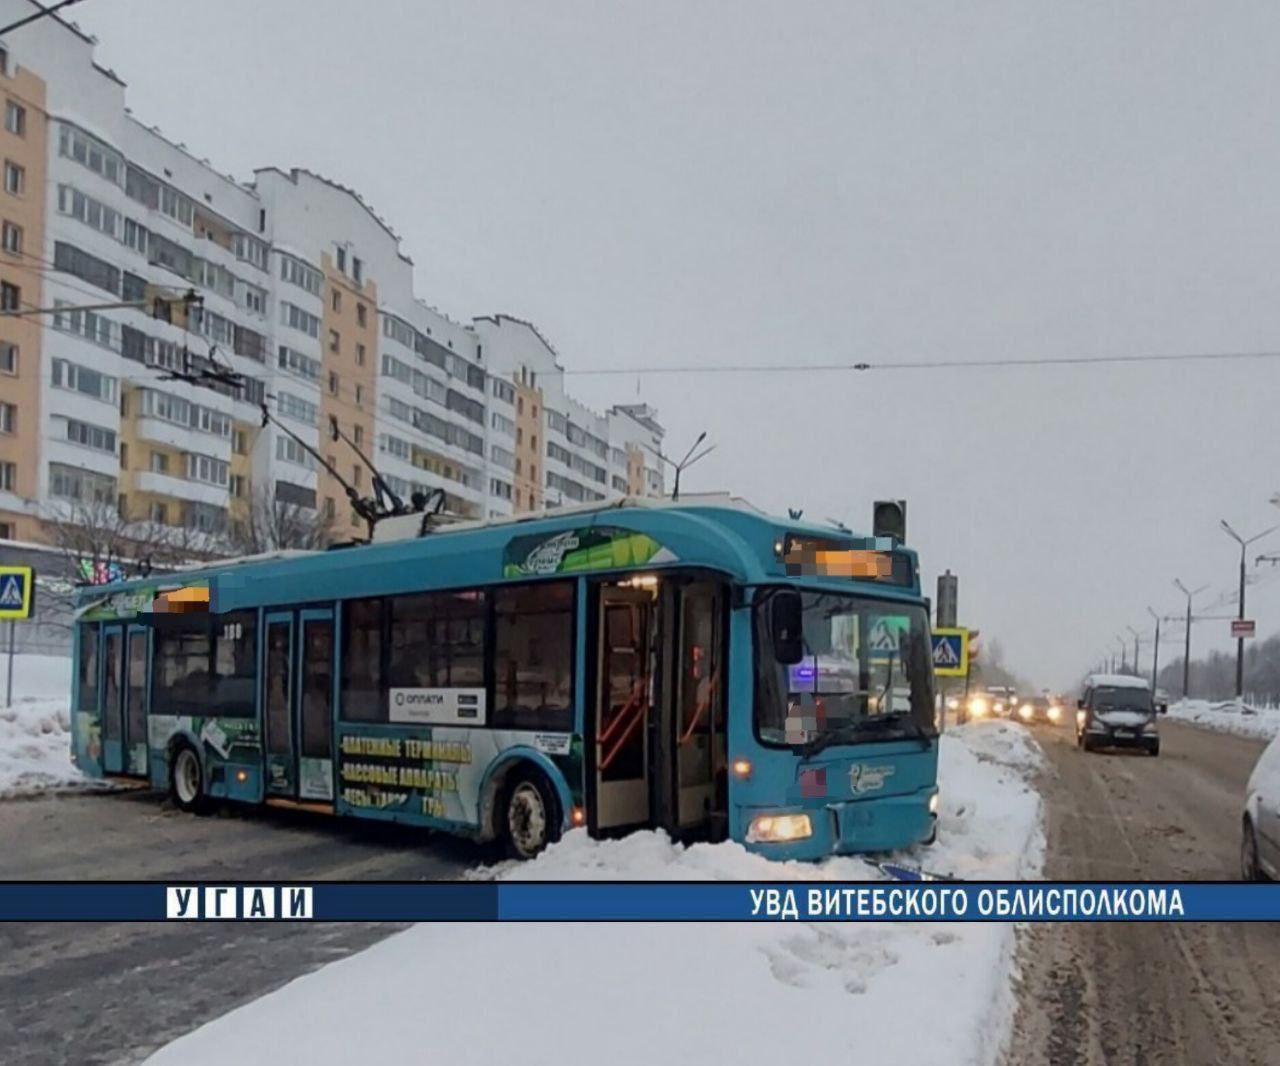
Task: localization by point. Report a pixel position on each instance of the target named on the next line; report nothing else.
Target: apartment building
(304, 291)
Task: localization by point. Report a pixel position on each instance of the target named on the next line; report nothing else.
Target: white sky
(689, 182)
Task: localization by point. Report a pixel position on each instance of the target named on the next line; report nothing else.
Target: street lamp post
(1155, 654)
(1244, 544)
(1186, 653)
(1124, 650)
(1136, 668)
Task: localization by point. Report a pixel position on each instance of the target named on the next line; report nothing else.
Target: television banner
(601, 901)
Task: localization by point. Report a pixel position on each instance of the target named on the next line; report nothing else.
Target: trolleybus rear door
(135, 702)
(315, 710)
(112, 700)
(277, 705)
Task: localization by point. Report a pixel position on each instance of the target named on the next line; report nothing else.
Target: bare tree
(97, 544)
(268, 524)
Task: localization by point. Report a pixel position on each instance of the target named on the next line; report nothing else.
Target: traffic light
(889, 519)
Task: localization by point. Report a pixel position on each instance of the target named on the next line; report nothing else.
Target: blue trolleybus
(696, 667)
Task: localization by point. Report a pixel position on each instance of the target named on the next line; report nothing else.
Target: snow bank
(1229, 717)
(35, 733)
(636, 995)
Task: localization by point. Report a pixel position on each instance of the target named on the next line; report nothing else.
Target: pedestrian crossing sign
(16, 586)
(950, 652)
(887, 637)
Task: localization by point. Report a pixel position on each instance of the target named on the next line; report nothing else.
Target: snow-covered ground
(35, 733)
(638, 995)
(1229, 717)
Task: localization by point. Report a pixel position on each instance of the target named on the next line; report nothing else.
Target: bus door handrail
(632, 709)
(701, 709)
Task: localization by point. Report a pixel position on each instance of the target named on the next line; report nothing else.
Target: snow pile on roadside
(1229, 717)
(35, 733)
(635, 995)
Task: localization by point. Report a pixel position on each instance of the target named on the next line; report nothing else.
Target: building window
(336, 300)
(357, 476)
(10, 296)
(335, 342)
(237, 485)
(359, 395)
(8, 357)
(159, 463)
(11, 238)
(160, 513)
(333, 383)
(360, 355)
(8, 418)
(15, 178)
(4, 60)
(342, 259)
(15, 118)
(362, 315)
(357, 270)
(358, 435)
(330, 508)
(8, 476)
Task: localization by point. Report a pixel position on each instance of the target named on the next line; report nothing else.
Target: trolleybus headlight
(999, 708)
(1080, 717)
(933, 804)
(779, 828)
(1055, 713)
(1025, 712)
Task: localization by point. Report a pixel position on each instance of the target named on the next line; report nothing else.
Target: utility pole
(1186, 654)
(1155, 654)
(1244, 544)
(1135, 648)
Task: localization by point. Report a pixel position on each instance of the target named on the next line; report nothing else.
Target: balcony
(181, 488)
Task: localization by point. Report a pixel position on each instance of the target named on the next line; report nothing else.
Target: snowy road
(99, 994)
(1148, 993)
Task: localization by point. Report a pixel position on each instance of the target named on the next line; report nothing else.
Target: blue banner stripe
(716, 901)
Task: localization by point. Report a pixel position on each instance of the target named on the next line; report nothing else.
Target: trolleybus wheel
(530, 815)
(186, 780)
(1250, 870)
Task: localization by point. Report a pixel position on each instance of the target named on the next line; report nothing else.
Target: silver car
(1260, 844)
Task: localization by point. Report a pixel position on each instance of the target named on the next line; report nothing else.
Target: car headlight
(977, 707)
(1055, 713)
(952, 703)
(999, 707)
(779, 828)
(1080, 716)
(1149, 727)
(1025, 712)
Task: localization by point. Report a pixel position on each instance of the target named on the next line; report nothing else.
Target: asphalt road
(1161, 993)
(107, 994)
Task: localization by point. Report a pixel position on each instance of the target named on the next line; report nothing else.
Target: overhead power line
(935, 364)
(38, 15)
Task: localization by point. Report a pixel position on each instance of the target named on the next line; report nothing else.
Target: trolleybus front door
(111, 695)
(624, 705)
(701, 784)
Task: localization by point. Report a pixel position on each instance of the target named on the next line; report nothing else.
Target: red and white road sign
(1241, 627)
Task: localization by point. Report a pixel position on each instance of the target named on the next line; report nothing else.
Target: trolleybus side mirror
(1080, 704)
(786, 619)
(1162, 708)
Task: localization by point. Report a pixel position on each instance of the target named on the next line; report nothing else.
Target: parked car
(1260, 842)
(1117, 711)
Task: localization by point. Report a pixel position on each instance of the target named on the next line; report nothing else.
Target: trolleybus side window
(533, 657)
(206, 664)
(437, 640)
(362, 699)
(87, 699)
